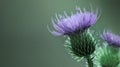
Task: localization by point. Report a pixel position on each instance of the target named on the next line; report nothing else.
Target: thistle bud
(105, 58)
(83, 44)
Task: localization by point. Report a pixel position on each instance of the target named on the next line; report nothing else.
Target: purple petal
(56, 33)
(111, 38)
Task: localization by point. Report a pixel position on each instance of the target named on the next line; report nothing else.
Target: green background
(25, 40)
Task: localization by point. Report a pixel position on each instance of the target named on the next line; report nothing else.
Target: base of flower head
(69, 49)
(81, 45)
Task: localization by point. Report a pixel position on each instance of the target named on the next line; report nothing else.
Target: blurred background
(25, 40)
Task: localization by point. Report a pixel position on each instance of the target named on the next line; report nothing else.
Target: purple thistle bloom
(78, 22)
(111, 38)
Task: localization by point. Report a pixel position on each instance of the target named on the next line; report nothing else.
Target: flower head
(111, 38)
(76, 23)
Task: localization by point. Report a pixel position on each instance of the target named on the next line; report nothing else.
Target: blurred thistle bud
(112, 40)
(105, 58)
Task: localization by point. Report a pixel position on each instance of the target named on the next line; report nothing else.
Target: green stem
(89, 61)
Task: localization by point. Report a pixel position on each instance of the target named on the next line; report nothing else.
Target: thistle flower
(111, 39)
(76, 23)
(81, 42)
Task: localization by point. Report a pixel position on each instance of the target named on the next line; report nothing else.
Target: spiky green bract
(81, 45)
(69, 49)
(105, 58)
